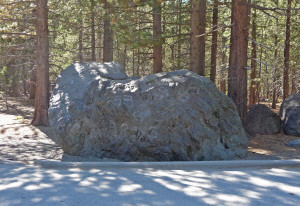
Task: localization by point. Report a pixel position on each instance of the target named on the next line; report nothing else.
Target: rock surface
(262, 120)
(290, 115)
(96, 110)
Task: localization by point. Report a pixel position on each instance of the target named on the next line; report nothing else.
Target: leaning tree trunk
(253, 84)
(157, 44)
(197, 44)
(287, 52)
(214, 44)
(108, 51)
(237, 74)
(40, 117)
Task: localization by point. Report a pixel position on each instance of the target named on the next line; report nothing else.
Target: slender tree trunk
(24, 81)
(125, 57)
(268, 84)
(32, 89)
(15, 82)
(138, 62)
(258, 86)
(93, 34)
(274, 95)
(197, 44)
(5, 89)
(99, 37)
(157, 44)
(42, 91)
(179, 35)
(223, 69)
(287, 52)
(237, 74)
(214, 44)
(80, 37)
(294, 79)
(252, 90)
(108, 51)
(133, 62)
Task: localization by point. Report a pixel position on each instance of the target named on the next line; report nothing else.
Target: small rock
(294, 143)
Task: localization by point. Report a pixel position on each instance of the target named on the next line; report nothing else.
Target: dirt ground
(20, 141)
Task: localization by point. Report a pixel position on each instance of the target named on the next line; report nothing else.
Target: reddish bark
(253, 85)
(214, 44)
(287, 52)
(198, 20)
(157, 45)
(237, 74)
(108, 35)
(40, 117)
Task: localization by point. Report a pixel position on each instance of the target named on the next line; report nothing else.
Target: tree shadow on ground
(21, 185)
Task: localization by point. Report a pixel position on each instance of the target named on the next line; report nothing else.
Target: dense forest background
(151, 36)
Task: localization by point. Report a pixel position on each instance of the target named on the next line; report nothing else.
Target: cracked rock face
(97, 110)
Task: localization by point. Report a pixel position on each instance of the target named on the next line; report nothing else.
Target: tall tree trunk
(268, 85)
(5, 89)
(32, 83)
(133, 62)
(42, 91)
(179, 35)
(93, 37)
(99, 38)
(157, 44)
(80, 38)
(197, 44)
(258, 86)
(108, 51)
(294, 80)
(24, 80)
(125, 57)
(274, 95)
(253, 84)
(138, 62)
(14, 87)
(237, 74)
(287, 52)
(223, 69)
(214, 44)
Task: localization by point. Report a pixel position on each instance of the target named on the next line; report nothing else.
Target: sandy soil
(20, 141)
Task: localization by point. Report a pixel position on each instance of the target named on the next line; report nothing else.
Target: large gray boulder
(96, 110)
(262, 120)
(290, 115)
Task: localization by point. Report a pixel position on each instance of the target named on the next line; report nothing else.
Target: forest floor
(20, 141)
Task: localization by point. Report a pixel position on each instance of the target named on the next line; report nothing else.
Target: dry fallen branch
(17, 2)
(219, 28)
(16, 33)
